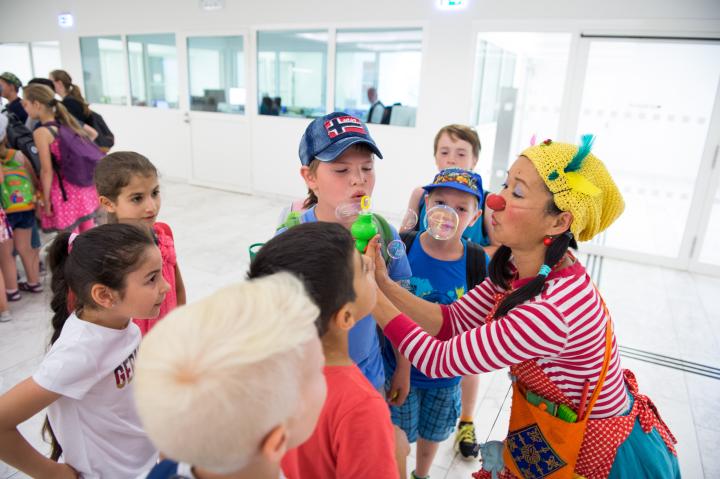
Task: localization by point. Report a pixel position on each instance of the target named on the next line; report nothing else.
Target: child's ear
(477, 216)
(344, 319)
(108, 205)
(309, 177)
(274, 445)
(103, 296)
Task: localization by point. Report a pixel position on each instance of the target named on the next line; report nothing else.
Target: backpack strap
(475, 264)
(48, 124)
(293, 218)
(408, 237)
(421, 212)
(55, 165)
(386, 233)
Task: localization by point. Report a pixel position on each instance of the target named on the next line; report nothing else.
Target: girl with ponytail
(540, 314)
(64, 206)
(100, 280)
(71, 95)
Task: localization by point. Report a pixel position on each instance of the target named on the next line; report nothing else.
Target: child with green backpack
(337, 155)
(17, 195)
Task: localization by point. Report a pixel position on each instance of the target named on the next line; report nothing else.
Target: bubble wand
(363, 228)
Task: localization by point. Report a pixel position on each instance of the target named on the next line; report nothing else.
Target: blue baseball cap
(329, 136)
(458, 179)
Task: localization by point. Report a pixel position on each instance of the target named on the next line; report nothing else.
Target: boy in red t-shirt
(354, 436)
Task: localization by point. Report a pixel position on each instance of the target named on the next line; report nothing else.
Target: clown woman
(575, 411)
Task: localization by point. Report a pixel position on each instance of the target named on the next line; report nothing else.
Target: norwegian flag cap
(329, 136)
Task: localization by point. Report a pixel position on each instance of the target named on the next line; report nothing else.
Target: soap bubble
(409, 221)
(441, 222)
(396, 249)
(348, 211)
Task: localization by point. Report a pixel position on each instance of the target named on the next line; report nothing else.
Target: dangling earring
(548, 240)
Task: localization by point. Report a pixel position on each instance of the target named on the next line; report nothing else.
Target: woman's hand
(48, 208)
(373, 252)
(399, 385)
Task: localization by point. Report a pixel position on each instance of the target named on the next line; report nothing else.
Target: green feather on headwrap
(586, 143)
(575, 180)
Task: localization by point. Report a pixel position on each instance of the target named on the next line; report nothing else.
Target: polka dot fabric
(5, 230)
(602, 436)
(81, 205)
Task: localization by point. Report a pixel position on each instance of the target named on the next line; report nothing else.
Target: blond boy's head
(233, 378)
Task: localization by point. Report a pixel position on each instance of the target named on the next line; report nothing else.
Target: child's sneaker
(413, 476)
(465, 442)
(5, 316)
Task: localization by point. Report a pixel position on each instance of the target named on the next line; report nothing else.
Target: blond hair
(46, 97)
(215, 377)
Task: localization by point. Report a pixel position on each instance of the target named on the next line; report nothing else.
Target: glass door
(650, 105)
(218, 126)
(518, 93)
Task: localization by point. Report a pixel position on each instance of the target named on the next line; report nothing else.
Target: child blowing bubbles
(227, 384)
(104, 277)
(458, 146)
(342, 284)
(428, 410)
(336, 152)
(127, 184)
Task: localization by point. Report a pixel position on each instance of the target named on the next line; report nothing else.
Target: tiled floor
(663, 311)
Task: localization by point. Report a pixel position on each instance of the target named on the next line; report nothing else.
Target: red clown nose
(496, 202)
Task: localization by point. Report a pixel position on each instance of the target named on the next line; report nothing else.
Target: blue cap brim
(455, 186)
(338, 148)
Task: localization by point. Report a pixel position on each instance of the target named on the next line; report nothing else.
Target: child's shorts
(23, 220)
(430, 414)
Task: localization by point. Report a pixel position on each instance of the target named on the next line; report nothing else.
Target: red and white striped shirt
(563, 328)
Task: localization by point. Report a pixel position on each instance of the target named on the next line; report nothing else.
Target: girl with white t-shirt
(100, 280)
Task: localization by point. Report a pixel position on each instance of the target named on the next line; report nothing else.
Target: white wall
(268, 145)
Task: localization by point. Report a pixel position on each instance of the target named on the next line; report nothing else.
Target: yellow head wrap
(580, 184)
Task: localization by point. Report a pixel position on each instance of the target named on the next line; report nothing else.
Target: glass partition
(377, 74)
(153, 70)
(217, 74)
(103, 69)
(45, 58)
(291, 69)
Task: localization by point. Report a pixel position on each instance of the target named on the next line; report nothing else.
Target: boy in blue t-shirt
(428, 409)
(337, 155)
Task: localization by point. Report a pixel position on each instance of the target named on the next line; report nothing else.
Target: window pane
(45, 57)
(103, 69)
(153, 70)
(379, 69)
(291, 73)
(519, 84)
(217, 74)
(15, 58)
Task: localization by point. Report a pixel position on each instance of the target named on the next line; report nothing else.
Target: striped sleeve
(528, 331)
(469, 311)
